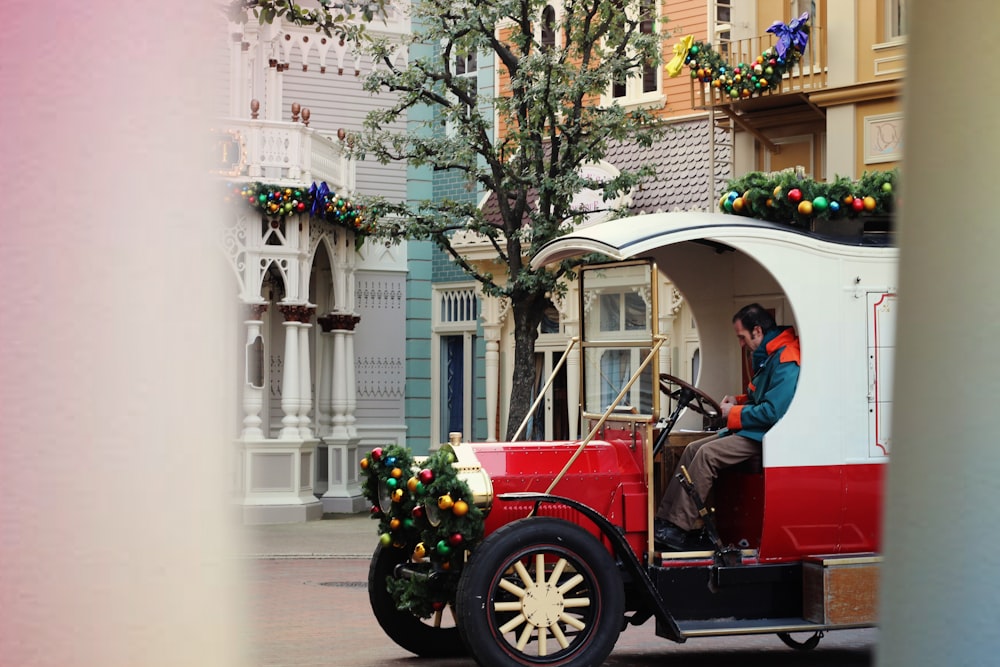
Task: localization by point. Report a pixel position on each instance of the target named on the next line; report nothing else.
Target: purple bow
(318, 195)
(795, 34)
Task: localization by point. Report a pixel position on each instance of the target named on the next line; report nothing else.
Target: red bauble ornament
(437, 605)
(858, 204)
(418, 511)
(376, 453)
(795, 195)
(376, 510)
(455, 539)
(426, 476)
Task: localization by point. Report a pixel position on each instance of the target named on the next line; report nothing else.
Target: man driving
(775, 356)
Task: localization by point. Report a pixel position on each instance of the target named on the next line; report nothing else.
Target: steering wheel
(688, 395)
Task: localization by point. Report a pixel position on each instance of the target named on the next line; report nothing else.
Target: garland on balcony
(743, 80)
(426, 510)
(278, 201)
(787, 197)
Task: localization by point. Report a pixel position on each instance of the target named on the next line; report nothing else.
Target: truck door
(881, 357)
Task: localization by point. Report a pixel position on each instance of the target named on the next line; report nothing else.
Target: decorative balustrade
(283, 152)
(807, 75)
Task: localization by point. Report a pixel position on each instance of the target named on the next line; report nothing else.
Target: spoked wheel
(540, 591)
(807, 645)
(436, 637)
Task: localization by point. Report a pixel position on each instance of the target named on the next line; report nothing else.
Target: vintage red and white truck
(541, 553)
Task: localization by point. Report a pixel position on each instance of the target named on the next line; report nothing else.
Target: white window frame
(557, 35)
(456, 310)
(895, 30)
(634, 95)
(721, 31)
(474, 75)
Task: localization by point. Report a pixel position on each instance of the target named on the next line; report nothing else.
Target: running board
(766, 626)
(706, 557)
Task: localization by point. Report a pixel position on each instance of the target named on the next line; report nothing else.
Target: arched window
(548, 28)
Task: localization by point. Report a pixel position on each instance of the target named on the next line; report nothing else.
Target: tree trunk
(527, 314)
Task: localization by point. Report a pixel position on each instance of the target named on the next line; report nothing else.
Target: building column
(343, 492)
(492, 335)
(305, 376)
(941, 524)
(352, 386)
(324, 380)
(290, 386)
(338, 392)
(253, 373)
(276, 475)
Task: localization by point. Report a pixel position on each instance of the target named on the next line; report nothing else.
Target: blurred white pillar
(117, 530)
(942, 527)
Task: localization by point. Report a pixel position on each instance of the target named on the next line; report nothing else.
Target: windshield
(618, 311)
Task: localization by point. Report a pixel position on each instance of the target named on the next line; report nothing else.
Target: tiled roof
(682, 161)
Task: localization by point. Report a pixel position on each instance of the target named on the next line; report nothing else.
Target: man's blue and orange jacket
(776, 372)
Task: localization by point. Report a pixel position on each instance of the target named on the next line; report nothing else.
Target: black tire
(576, 623)
(805, 645)
(420, 636)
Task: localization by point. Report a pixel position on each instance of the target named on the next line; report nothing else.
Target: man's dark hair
(754, 315)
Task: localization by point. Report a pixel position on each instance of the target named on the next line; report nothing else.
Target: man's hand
(727, 404)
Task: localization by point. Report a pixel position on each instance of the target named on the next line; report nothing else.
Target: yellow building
(838, 112)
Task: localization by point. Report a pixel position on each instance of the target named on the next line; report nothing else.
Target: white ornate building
(321, 367)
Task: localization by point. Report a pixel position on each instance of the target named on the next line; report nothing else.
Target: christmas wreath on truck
(427, 512)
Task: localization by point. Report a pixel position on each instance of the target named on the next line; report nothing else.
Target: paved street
(308, 606)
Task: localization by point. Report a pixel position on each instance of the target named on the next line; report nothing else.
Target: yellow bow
(681, 48)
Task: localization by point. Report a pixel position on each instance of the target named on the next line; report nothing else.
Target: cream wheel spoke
(513, 623)
(522, 641)
(513, 589)
(575, 603)
(507, 606)
(437, 618)
(557, 571)
(574, 622)
(573, 581)
(539, 569)
(560, 637)
(543, 642)
(523, 573)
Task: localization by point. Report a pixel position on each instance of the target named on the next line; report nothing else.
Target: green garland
(785, 197)
(280, 201)
(745, 80)
(425, 509)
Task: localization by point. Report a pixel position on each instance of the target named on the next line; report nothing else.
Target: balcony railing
(809, 74)
(282, 152)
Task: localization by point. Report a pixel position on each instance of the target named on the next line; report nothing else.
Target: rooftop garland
(279, 201)
(744, 80)
(786, 197)
(426, 510)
